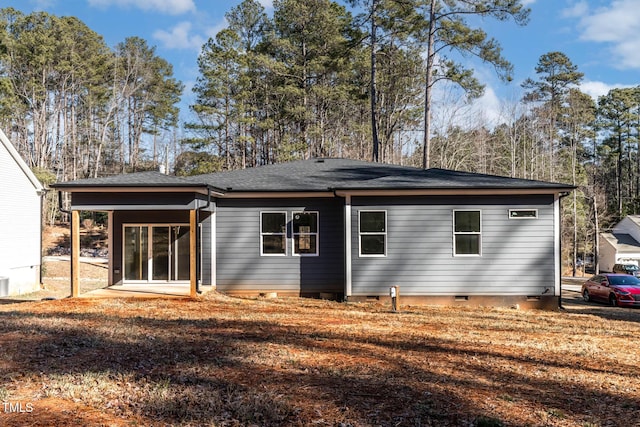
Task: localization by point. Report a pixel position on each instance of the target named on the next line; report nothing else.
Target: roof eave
(137, 188)
(448, 191)
(342, 192)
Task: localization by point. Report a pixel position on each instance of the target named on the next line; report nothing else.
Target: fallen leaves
(240, 361)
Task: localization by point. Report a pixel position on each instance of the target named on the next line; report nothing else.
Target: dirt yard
(57, 266)
(222, 361)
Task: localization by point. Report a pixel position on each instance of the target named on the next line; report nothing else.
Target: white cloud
(597, 89)
(179, 37)
(267, 4)
(451, 108)
(488, 106)
(616, 25)
(169, 7)
(578, 10)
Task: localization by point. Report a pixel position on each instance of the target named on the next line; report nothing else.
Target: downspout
(560, 197)
(198, 241)
(68, 212)
(42, 195)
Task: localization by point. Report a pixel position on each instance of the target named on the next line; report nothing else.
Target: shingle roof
(323, 175)
(343, 174)
(623, 243)
(138, 179)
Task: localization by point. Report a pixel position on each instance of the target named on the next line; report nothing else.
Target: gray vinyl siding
(206, 245)
(517, 255)
(240, 267)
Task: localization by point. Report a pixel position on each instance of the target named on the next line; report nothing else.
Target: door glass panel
(160, 242)
(180, 237)
(136, 249)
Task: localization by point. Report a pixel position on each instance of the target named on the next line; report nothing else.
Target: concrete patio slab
(145, 291)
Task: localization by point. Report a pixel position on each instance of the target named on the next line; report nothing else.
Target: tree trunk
(373, 94)
(426, 145)
(596, 243)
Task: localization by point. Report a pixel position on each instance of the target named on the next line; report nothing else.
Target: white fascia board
(452, 192)
(277, 194)
(159, 189)
(21, 163)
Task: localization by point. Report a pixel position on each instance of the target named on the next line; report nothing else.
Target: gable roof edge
(37, 185)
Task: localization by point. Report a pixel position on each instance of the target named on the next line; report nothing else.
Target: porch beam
(193, 257)
(75, 254)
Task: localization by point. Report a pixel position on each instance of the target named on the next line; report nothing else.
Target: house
(335, 227)
(621, 245)
(20, 223)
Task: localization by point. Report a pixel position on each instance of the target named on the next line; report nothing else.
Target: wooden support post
(75, 254)
(193, 277)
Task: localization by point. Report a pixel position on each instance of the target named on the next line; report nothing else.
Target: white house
(20, 223)
(622, 244)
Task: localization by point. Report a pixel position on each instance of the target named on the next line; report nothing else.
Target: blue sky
(599, 36)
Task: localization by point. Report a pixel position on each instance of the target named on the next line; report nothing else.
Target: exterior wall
(518, 256)
(20, 227)
(612, 256)
(241, 268)
(607, 254)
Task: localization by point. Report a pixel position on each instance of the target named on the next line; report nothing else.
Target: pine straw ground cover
(223, 361)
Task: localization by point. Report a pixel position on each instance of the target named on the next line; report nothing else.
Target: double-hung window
(273, 233)
(373, 233)
(467, 233)
(305, 233)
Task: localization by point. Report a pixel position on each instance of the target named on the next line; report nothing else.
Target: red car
(616, 289)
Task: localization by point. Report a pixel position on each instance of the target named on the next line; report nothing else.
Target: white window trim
(286, 244)
(453, 229)
(361, 233)
(294, 234)
(523, 217)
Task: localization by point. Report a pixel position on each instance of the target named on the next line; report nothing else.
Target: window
(373, 233)
(466, 233)
(273, 233)
(523, 213)
(305, 233)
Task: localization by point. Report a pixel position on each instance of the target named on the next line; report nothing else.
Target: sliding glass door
(157, 253)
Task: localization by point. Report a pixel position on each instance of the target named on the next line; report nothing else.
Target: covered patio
(159, 230)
